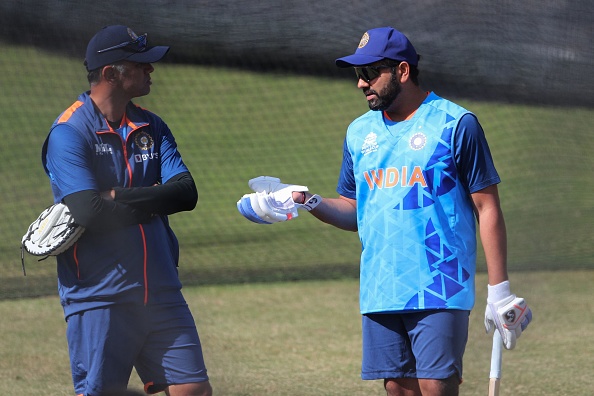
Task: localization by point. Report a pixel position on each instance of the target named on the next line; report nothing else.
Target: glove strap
(311, 203)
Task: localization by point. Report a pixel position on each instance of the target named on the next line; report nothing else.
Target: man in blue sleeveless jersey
(416, 176)
(416, 170)
(117, 167)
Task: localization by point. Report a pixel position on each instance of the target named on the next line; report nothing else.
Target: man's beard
(386, 97)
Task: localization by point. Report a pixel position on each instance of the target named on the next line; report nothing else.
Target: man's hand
(108, 195)
(271, 202)
(509, 314)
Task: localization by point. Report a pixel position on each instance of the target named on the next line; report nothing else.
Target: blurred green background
(232, 125)
(242, 104)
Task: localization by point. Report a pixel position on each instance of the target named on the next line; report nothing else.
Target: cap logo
(132, 35)
(364, 40)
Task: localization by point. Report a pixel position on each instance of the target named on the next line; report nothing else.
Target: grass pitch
(303, 339)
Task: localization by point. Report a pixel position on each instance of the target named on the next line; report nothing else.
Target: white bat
(495, 375)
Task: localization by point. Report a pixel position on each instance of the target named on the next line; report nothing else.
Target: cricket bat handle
(495, 374)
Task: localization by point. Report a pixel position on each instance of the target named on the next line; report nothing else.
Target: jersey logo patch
(143, 140)
(417, 141)
(103, 149)
(369, 144)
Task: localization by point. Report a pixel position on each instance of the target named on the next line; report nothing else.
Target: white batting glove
(509, 314)
(270, 184)
(272, 201)
(276, 198)
(249, 207)
(282, 193)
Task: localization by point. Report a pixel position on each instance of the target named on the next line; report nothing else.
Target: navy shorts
(425, 344)
(161, 342)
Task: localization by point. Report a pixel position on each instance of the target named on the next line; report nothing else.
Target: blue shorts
(425, 344)
(161, 342)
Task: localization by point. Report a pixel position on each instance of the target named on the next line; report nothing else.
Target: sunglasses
(369, 73)
(138, 44)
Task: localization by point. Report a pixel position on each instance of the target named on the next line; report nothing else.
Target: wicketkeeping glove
(272, 201)
(509, 314)
(52, 233)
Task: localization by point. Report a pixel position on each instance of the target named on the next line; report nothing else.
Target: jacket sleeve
(95, 213)
(178, 194)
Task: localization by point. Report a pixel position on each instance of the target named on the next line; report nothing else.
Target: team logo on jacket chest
(417, 141)
(103, 149)
(369, 144)
(143, 140)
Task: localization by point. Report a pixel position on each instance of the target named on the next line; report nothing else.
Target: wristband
(311, 203)
(498, 292)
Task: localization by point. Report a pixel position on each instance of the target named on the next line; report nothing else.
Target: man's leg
(102, 344)
(172, 359)
(402, 387)
(192, 389)
(425, 387)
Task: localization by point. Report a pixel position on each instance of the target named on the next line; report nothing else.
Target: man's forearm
(93, 212)
(494, 240)
(177, 195)
(339, 212)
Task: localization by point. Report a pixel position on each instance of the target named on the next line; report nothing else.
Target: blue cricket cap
(378, 44)
(117, 42)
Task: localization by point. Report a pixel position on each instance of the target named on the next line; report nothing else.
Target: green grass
(303, 338)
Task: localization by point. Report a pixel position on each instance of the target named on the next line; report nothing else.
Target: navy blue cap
(117, 42)
(378, 44)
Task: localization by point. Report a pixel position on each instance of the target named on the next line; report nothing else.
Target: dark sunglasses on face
(369, 73)
(138, 44)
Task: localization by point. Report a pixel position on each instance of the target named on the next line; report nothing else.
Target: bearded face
(386, 96)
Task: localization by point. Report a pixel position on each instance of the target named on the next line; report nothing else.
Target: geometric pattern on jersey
(448, 279)
(417, 229)
(448, 276)
(420, 196)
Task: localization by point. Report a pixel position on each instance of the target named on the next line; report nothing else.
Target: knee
(191, 389)
(401, 386)
(205, 389)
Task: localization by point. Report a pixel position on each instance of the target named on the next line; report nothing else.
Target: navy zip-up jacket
(132, 256)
